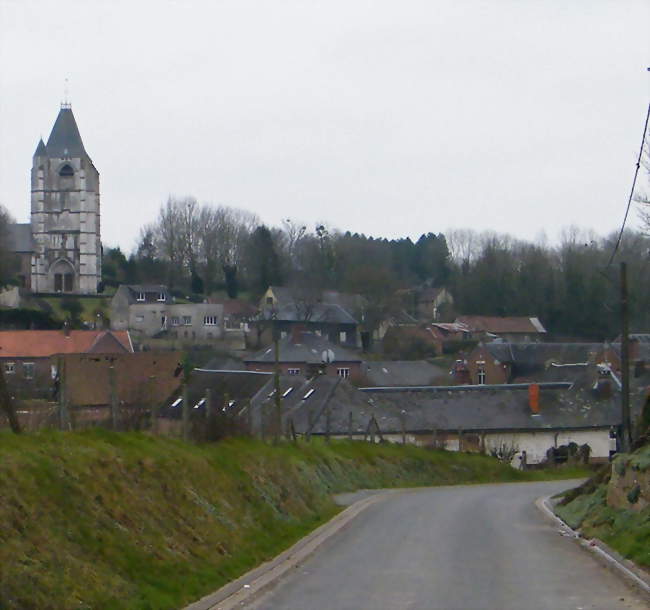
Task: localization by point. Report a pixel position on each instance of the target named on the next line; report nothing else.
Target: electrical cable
(629, 200)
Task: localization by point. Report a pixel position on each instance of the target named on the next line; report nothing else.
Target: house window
(293, 371)
(10, 368)
(187, 320)
(175, 320)
(345, 373)
(343, 336)
(28, 370)
(141, 297)
(481, 377)
(161, 297)
(210, 320)
(269, 300)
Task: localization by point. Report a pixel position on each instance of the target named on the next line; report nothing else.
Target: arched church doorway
(63, 273)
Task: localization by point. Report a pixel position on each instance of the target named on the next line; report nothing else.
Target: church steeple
(40, 149)
(65, 139)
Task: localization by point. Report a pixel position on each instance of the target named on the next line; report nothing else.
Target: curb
(624, 567)
(233, 594)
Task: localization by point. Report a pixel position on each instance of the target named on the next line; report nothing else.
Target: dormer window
(141, 297)
(161, 297)
(66, 171)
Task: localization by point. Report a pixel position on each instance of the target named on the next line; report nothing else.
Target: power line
(629, 200)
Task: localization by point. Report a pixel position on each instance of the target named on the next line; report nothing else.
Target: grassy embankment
(106, 520)
(624, 529)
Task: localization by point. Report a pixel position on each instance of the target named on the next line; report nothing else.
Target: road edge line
(254, 581)
(598, 548)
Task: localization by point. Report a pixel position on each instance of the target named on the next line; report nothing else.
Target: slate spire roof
(65, 140)
(40, 149)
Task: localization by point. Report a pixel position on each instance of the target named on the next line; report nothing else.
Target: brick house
(496, 363)
(29, 357)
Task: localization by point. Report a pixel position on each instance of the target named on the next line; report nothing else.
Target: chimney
(604, 382)
(296, 333)
(533, 398)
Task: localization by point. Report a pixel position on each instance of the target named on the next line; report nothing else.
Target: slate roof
(401, 372)
(496, 325)
(134, 289)
(239, 387)
(488, 409)
(309, 349)
(40, 149)
(65, 139)
(423, 412)
(320, 313)
(539, 354)
(20, 238)
(46, 343)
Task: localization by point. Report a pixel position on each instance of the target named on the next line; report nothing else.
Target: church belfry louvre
(62, 241)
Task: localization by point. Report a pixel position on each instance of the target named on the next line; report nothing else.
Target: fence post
(327, 425)
(310, 423)
(112, 382)
(63, 395)
(154, 404)
(379, 434)
(372, 428)
(186, 413)
(460, 440)
(208, 404)
(402, 422)
(292, 430)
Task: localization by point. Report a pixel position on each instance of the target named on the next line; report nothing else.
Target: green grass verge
(626, 531)
(105, 520)
(90, 306)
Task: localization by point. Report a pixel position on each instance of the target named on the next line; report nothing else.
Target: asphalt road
(453, 548)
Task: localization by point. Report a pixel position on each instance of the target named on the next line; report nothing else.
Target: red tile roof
(45, 343)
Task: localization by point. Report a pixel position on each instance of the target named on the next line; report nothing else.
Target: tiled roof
(45, 343)
(496, 325)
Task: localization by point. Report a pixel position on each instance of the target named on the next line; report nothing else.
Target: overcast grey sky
(383, 117)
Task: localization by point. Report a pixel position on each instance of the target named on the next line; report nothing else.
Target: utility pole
(276, 393)
(626, 423)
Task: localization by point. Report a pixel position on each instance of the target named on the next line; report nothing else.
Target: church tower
(65, 213)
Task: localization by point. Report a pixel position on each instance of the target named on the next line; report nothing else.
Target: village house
(149, 311)
(432, 302)
(329, 321)
(531, 425)
(513, 329)
(29, 357)
(308, 354)
(497, 362)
